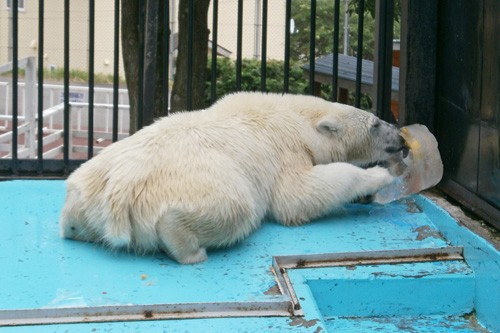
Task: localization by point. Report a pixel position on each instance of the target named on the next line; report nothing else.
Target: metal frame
(289, 305)
(283, 263)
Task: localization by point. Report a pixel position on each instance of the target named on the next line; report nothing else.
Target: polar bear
(207, 179)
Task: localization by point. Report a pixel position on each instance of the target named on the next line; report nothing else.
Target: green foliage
(370, 8)
(300, 37)
(324, 28)
(368, 36)
(251, 77)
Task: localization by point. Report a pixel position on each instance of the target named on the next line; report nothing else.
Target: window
(20, 4)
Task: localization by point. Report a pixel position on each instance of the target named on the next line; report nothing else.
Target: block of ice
(420, 170)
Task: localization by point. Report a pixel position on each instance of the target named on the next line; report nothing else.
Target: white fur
(198, 180)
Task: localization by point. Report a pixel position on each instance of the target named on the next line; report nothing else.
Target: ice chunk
(420, 170)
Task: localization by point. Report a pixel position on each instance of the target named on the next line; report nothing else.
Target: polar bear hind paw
(199, 256)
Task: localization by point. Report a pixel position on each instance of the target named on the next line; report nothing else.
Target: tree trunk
(131, 37)
(199, 57)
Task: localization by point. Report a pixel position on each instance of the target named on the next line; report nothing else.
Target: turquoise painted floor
(44, 272)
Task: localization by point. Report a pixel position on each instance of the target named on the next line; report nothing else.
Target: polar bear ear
(328, 125)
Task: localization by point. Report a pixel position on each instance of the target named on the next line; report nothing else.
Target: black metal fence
(16, 165)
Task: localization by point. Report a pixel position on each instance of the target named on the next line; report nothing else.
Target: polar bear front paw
(378, 178)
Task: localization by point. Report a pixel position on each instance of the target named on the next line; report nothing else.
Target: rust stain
(318, 329)
(426, 231)
(274, 290)
(301, 322)
(412, 207)
(405, 276)
(473, 323)
(300, 263)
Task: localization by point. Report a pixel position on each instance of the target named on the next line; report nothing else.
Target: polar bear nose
(398, 145)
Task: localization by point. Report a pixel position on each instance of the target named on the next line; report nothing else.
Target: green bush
(251, 76)
(365, 101)
(250, 80)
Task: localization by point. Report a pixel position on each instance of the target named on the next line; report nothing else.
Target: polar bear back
(191, 159)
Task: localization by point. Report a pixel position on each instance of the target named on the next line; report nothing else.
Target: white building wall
(54, 34)
(104, 15)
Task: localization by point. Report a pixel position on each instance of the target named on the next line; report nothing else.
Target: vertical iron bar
(239, 44)
(15, 73)
(116, 70)
(286, 75)
(263, 64)
(312, 48)
(384, 13)
(213, 75)
(189, 87)
(41, 11)
(140, 71)
(335, 57)
(66, 139)
(359, 53)
(150, 55)
(90, 144)
(166, 55)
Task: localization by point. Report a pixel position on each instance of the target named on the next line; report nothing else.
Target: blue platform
(49, 284)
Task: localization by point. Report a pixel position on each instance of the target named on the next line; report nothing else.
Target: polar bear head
(356, 136)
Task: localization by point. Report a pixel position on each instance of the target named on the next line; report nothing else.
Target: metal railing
(27, 129)
(45, 165)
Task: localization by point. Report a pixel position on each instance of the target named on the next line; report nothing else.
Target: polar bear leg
(178, 241)
(302, 196)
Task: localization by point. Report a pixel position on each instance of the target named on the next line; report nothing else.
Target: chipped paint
(431, 324)
(473, 323)
(412, 206)
(425, 231)
(273, 290)
(301, 322)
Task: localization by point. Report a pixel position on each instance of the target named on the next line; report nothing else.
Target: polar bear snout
(396, 145)
(389, 135)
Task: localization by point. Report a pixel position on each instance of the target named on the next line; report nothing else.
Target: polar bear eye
(376, 123)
